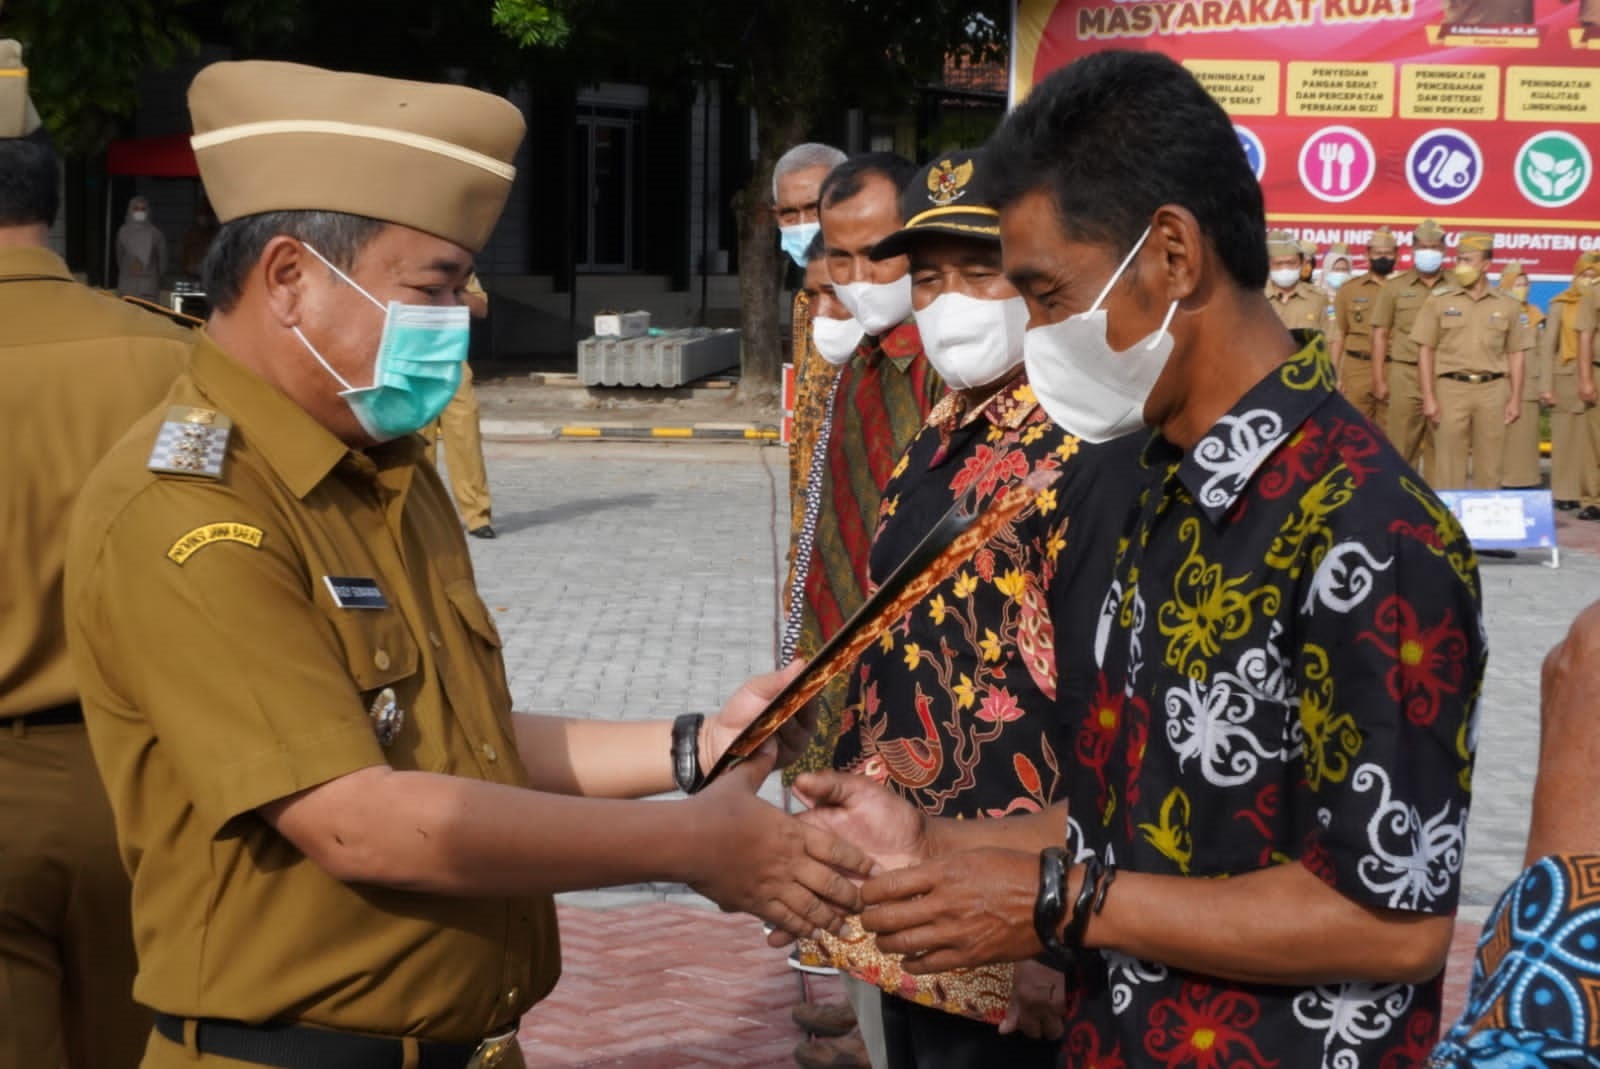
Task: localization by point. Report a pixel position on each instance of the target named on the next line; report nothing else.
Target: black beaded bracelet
(1051, 906)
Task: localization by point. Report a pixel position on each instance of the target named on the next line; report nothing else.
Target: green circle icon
(1554, 169)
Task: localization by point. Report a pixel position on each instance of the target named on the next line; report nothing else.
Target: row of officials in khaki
(247, 683)
(1456, 371)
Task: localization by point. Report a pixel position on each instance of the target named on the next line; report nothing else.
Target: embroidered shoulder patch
(192, 441)
(205, 535)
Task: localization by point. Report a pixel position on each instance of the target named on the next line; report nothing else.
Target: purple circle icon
(1337, 164)
(1255, 153)
(1444, 166)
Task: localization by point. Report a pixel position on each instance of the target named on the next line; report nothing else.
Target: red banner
(1482, 114)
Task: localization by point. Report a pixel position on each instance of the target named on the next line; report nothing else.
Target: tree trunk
(760, 263)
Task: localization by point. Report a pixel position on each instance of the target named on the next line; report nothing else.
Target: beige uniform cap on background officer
(295, 694)
(1394, 353)
(1471, 346)
(77, 369)
(1521, 469)
(1299, 304)
(1354, 305)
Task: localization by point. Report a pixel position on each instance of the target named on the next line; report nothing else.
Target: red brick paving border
(664, 986)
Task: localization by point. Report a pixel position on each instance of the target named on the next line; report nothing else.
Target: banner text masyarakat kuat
(1482, 114)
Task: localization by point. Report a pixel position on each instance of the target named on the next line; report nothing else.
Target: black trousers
(916, 1037)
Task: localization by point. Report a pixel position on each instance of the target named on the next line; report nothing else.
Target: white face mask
(1428, 261)
(878, 306)
(140, 217)
(972, 342)
(1335, 279)
(1088, 388)
(836, 339)
(1285, 277)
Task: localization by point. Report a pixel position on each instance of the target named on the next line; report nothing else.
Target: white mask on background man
(140, 217)
(1428, 260)
(1285, 277)
(877, 306)
(972, 342)
(1088, 388)
(836, 339)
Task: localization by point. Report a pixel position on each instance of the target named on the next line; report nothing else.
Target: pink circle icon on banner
(1337, 164)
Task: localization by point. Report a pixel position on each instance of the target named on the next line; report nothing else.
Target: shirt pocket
(380, 653)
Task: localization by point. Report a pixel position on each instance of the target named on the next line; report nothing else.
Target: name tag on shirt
(355, 592)
(1452, 313)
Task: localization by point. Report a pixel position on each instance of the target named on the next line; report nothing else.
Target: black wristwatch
(686, 752)
(1050, 908)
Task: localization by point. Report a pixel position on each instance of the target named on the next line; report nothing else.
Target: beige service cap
(1308, 249)
(1382, 238)
(1429, 231)
(1279, 243)
(284, 137)
(1586, 261)
(1476, 241)
(17, 117)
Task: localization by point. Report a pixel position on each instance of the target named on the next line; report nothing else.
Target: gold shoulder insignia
(192, 441)
(947, 183)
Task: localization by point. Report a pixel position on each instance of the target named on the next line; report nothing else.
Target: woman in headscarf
(1574, 463)
(141, 253)
(1519, 467)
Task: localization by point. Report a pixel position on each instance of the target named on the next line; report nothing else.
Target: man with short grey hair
(796, 182)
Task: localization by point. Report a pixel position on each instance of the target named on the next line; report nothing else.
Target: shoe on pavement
(810, 963)
(1566, 505)
(1591, 512)
(825, 1018)
(848, 1052)
(482, 532)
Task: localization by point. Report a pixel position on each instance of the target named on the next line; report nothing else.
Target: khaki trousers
(1591, 460)
(1519, 469)
(66, 935)
(1569, 440)
(1355, 382)
(1411, 433)
(463, 454)
(1471, 432)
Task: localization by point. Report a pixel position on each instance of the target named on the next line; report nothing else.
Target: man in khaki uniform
(1300, 305)
(1354, 305)
(343, 842)
(1520, 469)
(1471, 345)
(76, 370)
(1574, 469)
(1394, 354)
(458, 429)
(1587, 322)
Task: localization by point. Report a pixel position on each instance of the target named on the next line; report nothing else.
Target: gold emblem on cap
(947, 183)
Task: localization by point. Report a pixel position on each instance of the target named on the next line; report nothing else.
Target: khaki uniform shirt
(1353, 309)
(1472, 334)
(1303, 308)
(1398, 304)
(1536, 370)
(220, 673)
(76, 370)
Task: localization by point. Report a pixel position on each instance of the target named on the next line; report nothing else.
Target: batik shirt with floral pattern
(959, 708)
(1291, 652)
(1534, 1002)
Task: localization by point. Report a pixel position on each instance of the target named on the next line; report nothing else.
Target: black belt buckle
(1358, 356)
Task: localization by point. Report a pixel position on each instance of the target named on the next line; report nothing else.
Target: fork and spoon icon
(1343, 154)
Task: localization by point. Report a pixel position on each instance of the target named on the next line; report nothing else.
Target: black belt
(1474, 377)
(55, 716)
(1358, 356)
(293, 1046)
(1407, 363)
